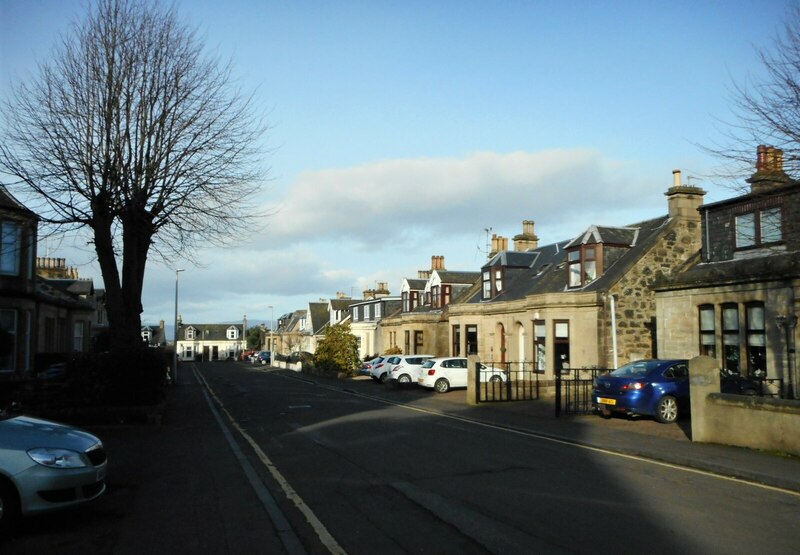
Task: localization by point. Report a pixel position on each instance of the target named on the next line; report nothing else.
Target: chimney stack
(437, 262)
(527, 240)
(684, 200)
(769, 170)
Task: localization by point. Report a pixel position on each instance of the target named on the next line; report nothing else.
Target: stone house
(584, 302)
(421, 325)
(738, 298)
(209, 342)
(366, 316)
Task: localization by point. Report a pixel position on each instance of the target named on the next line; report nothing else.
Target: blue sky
(404, 129)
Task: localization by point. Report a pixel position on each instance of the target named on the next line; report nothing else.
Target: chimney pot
(676, 178)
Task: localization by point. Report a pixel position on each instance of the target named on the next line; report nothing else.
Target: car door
(677, 382)
(458, 372)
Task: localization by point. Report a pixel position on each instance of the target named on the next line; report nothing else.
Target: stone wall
(635, 299)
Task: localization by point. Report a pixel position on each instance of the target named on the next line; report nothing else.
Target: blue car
(658, 388)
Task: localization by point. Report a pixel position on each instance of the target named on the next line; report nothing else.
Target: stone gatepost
(703, 379)
(472, 390)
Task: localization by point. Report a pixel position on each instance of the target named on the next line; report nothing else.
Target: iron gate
(574, 390)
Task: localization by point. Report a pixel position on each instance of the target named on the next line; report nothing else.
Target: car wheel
(382, 379)
(441, 385)
(405, 378)
(667, 409)
(495, 379)
(9, 506)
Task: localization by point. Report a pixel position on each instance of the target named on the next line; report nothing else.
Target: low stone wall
(744, 421)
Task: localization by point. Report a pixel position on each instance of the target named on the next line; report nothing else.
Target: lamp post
(789, 323)
(175, 335)
(271, 344)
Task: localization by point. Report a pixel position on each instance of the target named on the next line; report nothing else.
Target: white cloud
(394, 201)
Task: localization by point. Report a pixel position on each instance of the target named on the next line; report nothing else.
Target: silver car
(45, 466)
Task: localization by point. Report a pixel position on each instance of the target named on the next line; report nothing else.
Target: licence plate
(604, 401)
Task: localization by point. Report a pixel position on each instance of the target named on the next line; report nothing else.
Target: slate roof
(158, 335)
(319, 316)
(51, 294)
(209, 332)
(548, 273)
(8, 202)
(779, 265)
(457, 277)
(416, 284)
(513, 259)
(83, 287)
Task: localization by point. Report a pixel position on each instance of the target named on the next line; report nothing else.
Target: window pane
(10, 248)
(707, 339)
(755, 317)
(588, 254)
(771, 225)
(745, 230)
(574, 275)
(730, 318)
(562, 329)
(574, 256)
(590, 271)
(707, 318)
(539, 330)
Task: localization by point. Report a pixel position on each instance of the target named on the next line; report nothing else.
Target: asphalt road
(398, 478)
(255, 460)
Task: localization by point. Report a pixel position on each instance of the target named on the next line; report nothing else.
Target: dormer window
(760, 227)
(582, 265)
(232, 333)
(487, 284)
(147, 335)
(498, 280)
(190, 334)
(435, 298)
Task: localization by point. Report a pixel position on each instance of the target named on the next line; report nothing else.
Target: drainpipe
(614, 329)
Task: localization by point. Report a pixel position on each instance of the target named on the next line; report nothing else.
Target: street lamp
(789, 323)
(271, 343)
(175, 335)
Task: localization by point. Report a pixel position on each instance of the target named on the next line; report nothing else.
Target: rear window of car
(638, 369)
(428, 363)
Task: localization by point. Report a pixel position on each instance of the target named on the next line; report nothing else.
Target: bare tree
(132, 133)
(766, 110)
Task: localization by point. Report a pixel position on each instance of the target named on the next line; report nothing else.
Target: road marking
(560, 441)
(322, 532)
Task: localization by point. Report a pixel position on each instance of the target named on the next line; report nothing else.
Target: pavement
(179, 487)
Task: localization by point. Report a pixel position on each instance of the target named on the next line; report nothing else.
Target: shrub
(338, 350)
(395, 350)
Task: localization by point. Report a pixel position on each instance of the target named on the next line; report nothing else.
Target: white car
(443, 374)
(380, 370)
(46, 466)
(407, 369)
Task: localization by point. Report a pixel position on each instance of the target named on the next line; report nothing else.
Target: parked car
(366, 367)
(658, 388)
(263, 358)
(407, 369)
(445, 373)
(46, 466)
(381, 369)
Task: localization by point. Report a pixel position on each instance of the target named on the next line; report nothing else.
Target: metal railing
(507, 381)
